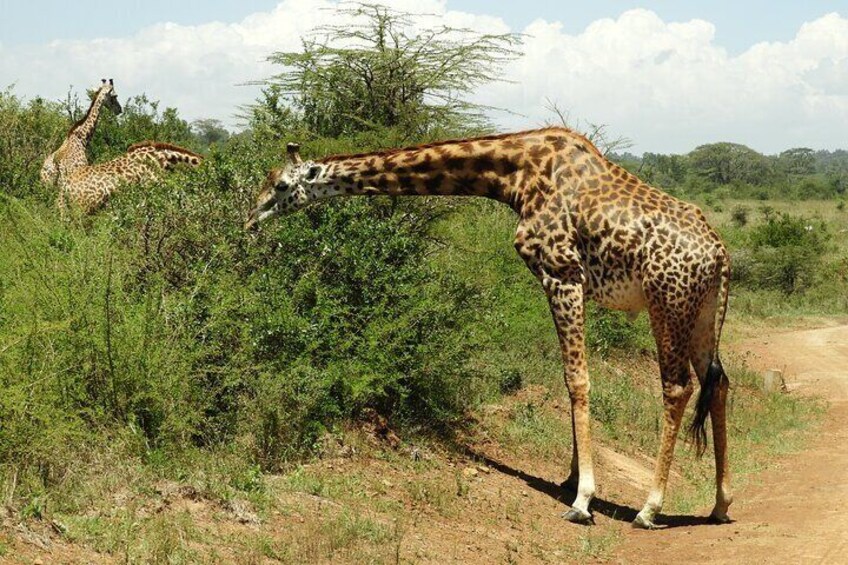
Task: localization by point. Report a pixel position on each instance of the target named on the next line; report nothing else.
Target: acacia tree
(725, 163)
(388, 69)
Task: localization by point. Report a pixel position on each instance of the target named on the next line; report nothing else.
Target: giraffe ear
(111, 82)
(293, 152)
(103, 80)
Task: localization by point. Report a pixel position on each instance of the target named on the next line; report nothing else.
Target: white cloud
(666, 85)
(669, 87)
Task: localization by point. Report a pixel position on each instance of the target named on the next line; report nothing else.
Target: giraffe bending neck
(452, 168)
(587, 229)
(519, 169)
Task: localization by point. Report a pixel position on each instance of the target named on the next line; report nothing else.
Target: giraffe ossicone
(587, 229)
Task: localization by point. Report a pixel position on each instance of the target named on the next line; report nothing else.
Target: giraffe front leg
(566, 301)
(573, 479)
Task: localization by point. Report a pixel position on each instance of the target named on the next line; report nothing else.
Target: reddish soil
(796, 511)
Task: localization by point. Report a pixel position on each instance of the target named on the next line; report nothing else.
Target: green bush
(739, 216)
(161, 317)
(610, 330)
(784, 253)
(28, 133)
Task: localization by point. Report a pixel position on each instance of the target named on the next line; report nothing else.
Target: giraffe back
(90, 187)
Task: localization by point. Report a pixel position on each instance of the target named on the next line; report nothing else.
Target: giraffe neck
(464, 168)
(84, 128)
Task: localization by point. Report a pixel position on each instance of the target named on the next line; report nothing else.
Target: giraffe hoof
(643, 523)
(718, 519)
(577, 516)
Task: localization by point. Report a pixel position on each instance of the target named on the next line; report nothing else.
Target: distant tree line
(737, 171)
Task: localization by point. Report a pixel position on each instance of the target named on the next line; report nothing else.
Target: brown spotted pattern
(587, 229)
(71, 155)
(89, 187)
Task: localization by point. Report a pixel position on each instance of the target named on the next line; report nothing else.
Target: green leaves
(387, 70)
(785, 253)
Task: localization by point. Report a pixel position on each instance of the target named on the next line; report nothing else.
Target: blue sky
(668, 74)
(739, 24)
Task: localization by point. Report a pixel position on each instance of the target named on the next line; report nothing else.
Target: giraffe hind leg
(704, 357)
(672, 339)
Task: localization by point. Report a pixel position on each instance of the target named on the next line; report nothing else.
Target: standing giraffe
(587, 229)
(71, 154)
(89, 187)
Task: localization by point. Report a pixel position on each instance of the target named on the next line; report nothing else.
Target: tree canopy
(389, 70)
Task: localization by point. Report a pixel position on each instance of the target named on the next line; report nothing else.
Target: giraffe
(71, 154)
(89, 187)
(587, 229)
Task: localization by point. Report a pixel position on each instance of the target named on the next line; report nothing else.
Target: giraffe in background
(587, 229)
(71, 154)
(89, 187)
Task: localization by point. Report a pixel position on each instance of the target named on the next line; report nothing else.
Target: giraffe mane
(493, 137)
(160, 145)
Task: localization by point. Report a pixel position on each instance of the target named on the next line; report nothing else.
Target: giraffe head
(110, 100)
(288, 189)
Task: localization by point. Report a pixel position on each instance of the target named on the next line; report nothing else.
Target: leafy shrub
(785, 253)
(28, 133)
(739, 216)
(610, 330)
(162, 317)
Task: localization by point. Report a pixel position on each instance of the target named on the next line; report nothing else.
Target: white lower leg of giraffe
(574, 473)
(579, 512)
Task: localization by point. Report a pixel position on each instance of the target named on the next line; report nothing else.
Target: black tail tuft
(697, 429)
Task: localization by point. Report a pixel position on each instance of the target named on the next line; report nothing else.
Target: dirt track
(796, 512)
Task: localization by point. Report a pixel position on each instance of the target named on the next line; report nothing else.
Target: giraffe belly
(617, 293)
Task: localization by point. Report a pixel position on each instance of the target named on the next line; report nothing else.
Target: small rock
(524, 493)
(484, 469)
(470, 472)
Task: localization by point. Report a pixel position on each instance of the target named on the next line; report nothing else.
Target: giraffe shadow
(561, 493)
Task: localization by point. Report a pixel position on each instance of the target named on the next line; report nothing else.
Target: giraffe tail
(715, 376)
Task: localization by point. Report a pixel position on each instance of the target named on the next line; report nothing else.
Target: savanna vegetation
(158, 343)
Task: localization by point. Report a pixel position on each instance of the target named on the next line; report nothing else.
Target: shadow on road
(561, 493)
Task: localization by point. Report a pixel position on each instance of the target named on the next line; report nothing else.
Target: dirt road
(796, 512)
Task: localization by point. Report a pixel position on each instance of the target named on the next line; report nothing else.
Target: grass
(597, 543)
